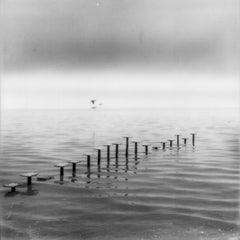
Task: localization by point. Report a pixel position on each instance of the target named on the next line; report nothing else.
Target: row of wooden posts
(75, 162)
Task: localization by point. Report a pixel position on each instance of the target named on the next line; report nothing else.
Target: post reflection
(60, 181)
(108, 171)
(74, 177)
(31, 191)
(88, 175)
(99, 171)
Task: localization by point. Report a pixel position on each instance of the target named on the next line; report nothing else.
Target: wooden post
(163, 145)
(29, 177)
(108, 152)
(135, 147)
(116, 149)
(146, 148)
(127, 145)
(177, 135)
(193, 138)
(170, 143)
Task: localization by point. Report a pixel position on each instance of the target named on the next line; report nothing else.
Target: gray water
(176, 193)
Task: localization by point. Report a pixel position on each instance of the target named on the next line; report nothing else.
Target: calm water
(187, 193)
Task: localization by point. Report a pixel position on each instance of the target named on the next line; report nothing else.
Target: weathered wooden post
(108, 152)
(127, 145)
(178, 135)
(170, 142)
(116, 149)
(88, 162)
(99, 154)
(29, 177)
(146, 148)
(135, 147)
(193, 138)
(74, 164)
(12, 186)
(163, 145)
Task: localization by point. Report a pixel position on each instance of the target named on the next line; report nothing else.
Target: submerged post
(193, 138)
(127, 145)
(74, 164)
(88, 161)
(163, 145)
(108, 152)
(98, 155)
(146, 148)
(116, 149)
(170, 142)
(61, 166)
(61, 171)
(135, 147)
(12, 186)
(29, 177)
(74, 167)
(185, 140)
(177, 135)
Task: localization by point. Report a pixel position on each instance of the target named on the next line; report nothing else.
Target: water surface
(185, 193)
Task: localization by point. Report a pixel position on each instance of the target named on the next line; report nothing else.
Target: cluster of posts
(74, 163)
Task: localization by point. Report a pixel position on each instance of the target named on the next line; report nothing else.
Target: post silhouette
(193, 138)
(146, 148)
(116, 149)
(98, 155)
(108, 152)
(185, 140)
(135, 147)
(61, 166)
(127, 146)
(177, 135)
(170, 143)
(74, 164)
(88, 162)
(12, 186)
(29, 177)
(163, 145)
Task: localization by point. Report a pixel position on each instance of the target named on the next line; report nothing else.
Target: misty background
(145, 53)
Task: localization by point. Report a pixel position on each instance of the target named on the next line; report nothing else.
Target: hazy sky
(138, 53)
